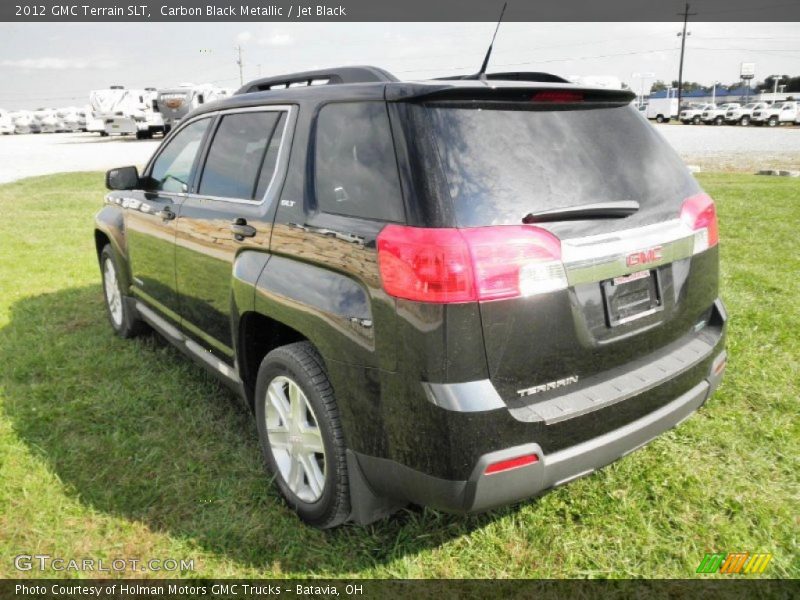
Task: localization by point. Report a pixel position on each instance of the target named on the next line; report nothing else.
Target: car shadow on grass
(134, 429)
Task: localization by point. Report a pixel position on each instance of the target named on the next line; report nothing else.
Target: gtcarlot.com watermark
(45, 562)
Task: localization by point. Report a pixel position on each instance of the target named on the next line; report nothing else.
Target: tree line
(792, 85)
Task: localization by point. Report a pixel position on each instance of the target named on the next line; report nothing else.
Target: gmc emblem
(644, 257)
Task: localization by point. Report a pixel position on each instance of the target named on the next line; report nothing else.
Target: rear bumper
(626, 412)
(484, 491)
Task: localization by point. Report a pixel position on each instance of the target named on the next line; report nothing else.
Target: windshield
(501, 164)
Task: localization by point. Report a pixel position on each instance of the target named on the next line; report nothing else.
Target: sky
(57, 64)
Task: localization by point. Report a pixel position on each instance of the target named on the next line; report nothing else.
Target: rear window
(356, 168)
(501, 164)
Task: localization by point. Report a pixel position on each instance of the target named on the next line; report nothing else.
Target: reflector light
(468, 265)
(700, 214)
(513, 463)
(557, 96)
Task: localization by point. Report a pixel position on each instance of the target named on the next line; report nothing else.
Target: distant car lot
(742, 149)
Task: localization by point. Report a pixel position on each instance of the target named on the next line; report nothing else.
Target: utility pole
(685, 14)
(241, 65)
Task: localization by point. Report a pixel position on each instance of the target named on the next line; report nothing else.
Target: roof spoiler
(546, 95)
(333, 76)
(511, 76)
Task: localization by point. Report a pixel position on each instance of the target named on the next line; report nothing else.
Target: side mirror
(123, 178)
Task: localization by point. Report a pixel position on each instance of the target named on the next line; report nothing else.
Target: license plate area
(631, 297)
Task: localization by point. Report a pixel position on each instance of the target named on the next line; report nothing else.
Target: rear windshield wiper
(601, 210)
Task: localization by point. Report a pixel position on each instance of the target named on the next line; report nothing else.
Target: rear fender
(328, 308)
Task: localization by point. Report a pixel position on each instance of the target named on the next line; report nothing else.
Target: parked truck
(744, 114)
(692, 114)
(777, 114)
(716, 116)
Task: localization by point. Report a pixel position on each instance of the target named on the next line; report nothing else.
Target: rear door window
(355, 163)
(243, 154)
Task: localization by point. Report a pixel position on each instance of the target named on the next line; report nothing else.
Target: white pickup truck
(692, 114)
(744, 114)
(778, 113)
(716, 115)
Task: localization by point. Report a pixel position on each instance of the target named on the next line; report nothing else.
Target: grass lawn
(113, 448)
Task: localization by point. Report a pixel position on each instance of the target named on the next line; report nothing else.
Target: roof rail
(513, 76)
(333, 76)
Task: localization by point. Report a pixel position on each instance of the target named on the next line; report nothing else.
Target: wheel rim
(113, 295)
(295, 439)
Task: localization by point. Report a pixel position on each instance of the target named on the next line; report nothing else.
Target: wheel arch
(109, 227)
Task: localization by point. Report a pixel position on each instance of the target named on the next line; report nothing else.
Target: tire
(696, 120)
(141, 135)
(319, 493)
(659, 118)
(773, 122)
(719, 121)
(745, 121)
(123, 321)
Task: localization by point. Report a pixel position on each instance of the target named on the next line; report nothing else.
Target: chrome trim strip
(279, 167)
(190, 346)
(289, 108)
(472, 396)
(599, 257)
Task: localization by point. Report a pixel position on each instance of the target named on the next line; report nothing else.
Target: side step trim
(189, 346)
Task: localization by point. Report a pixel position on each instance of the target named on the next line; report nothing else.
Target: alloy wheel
(295, 439)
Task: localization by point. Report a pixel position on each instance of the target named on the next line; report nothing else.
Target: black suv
(456, 293)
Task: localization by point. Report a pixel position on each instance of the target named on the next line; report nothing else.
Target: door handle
(241, 229)
(166, 214)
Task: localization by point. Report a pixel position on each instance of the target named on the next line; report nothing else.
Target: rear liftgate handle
(241, 229)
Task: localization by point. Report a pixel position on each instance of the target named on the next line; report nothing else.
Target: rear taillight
(700, 214)
(468, 265)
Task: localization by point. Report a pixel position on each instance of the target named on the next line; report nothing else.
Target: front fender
(110, 223)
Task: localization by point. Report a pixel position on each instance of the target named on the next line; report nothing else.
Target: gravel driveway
(735, 148)
(40, 154)
(745, 149)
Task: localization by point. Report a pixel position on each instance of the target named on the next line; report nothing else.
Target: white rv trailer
(25, 122)
(175, 103)
(72, 118)
(48, 120)
(6, 122)
(127, 111)
(94, 124)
